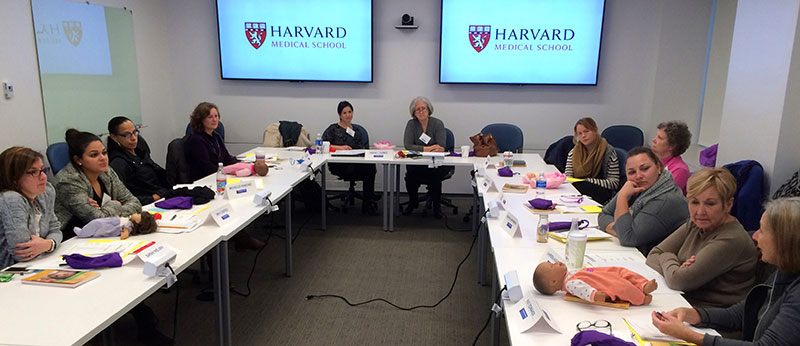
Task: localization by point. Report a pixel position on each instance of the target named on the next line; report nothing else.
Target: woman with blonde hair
(593, 160)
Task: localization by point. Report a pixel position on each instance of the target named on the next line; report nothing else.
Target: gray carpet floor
(354, 258)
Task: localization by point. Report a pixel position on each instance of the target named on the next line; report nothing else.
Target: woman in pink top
(671, 141)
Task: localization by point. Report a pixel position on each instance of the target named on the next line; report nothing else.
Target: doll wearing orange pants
(594, 284)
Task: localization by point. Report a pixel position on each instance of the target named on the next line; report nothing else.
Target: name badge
(511, 225)
(222, 215)
(425, 138)
(351, 132)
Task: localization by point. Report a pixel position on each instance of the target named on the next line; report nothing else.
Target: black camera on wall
(406, 19)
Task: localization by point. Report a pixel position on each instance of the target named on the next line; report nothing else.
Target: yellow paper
(234, 180)
(592, 208)
(572, 180)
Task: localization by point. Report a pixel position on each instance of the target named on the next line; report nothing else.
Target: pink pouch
(237, 167)
(555, 179)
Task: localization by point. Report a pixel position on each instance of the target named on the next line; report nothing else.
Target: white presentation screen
(312, 40)
(520, 41)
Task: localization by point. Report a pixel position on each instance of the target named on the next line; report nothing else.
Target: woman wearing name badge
(204, 150)
(87, 188)
(711, 258)
(648, 208)
(670, 142)
(593, 160)
(129, 155)
(343, 136)
(28, 224)
(770, 313)
(424, 133)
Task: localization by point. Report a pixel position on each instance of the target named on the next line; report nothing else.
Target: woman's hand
(671, 323)
(156, 197)
(93, 203)
(30, 249)
(434, 148)
(688, 262)
(610, 229)
(629, 189)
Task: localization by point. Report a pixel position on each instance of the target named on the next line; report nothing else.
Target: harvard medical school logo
(256, 32)
(479, 36)
(73, 31)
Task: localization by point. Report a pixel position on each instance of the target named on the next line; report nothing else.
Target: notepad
(515, 188)
(61, 278)
(646, 333)
(591, 232)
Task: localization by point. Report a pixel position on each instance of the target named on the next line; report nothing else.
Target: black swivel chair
(450, 141)
(348, 197)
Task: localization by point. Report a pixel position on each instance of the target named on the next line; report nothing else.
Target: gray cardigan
(16, 222)
(653, 223)
(435, 130)
(74, 191)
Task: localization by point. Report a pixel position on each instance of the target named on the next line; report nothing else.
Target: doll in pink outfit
(597, 284)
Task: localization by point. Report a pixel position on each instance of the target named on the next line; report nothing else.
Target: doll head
(143, 223)
(548, 277)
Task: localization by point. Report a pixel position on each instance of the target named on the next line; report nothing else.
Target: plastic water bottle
(544, 228)
(221, 180)
(541, 184)
(576, 246)
(318, 144)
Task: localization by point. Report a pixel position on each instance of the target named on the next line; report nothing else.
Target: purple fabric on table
(310, 151)
(708, 157)
(182, 202)
(453, 153)
(593, 337)
(79, 261)
(565, 225)
(505, 172)
(541, 203)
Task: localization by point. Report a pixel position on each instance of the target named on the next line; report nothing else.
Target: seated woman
(648, 207)
(130, 158)
(670, 142)
(343, 136)
(28, 224)
(424, 133)
(769, 313)
(204, 150)
(87, 189)
(710, 257)
(594, 160)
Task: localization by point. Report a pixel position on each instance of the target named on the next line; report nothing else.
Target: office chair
(622, 157)
(57, 156)
(443, 201)
(625, 137)
(750, 195)
(348, 197)
(220, 130)
(508, 136)
(557, 153)
(177, 167)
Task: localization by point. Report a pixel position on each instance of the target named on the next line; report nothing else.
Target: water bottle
(576, 246)
(541, 184)
(544, 228)
(221, 180)
(318, 144)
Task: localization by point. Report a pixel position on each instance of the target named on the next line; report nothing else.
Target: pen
(173, 217)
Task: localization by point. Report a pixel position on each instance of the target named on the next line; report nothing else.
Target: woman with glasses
(87, 188)
(129, 155)
(28, 223)
(424, 133)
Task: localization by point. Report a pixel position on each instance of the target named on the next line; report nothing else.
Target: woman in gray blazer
(424, 133)
(28, 225)
(88, 188)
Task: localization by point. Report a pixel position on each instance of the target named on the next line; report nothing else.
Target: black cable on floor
(447, 225)
(496, 301)
(175, 310)
(453, 285)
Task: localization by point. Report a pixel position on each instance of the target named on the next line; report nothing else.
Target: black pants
(596, 192)
(357, 172)
(418, 175)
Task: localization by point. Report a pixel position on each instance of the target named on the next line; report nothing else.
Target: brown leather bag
(484, 145)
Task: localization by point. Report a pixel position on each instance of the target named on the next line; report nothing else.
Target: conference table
(87, 310)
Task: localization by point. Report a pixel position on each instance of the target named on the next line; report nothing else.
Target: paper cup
(326, 147)
(465, 151)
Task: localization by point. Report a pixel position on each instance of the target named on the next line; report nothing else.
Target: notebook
(61, 278)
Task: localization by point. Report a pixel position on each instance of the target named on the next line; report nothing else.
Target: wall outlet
(8, 89)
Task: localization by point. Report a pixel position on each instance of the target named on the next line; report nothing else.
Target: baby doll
(140, 223)
(594, 284)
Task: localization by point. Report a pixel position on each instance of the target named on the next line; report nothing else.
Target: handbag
(484, 145)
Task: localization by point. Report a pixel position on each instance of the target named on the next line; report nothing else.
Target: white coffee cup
(465, 151)
(326, 147)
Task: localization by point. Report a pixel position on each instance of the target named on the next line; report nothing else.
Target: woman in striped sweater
(593, 160)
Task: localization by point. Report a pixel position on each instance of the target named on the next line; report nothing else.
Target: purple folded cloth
(708, 157)
(541, 203)
(505, 172)
(453, 153)
(310, 151)
(79, 261)
(182, 202)
(565, 225)
(595, 338)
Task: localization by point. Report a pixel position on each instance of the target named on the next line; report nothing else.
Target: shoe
(244, 241)
(437, 210)
(410, 208)
(369, 208)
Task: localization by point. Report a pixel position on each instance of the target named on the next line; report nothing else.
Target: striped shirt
(609, 173)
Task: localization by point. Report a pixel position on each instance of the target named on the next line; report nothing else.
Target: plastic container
(221, 180)
(544, 228)
(318, 143)
(576, 246)
(541, 184)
